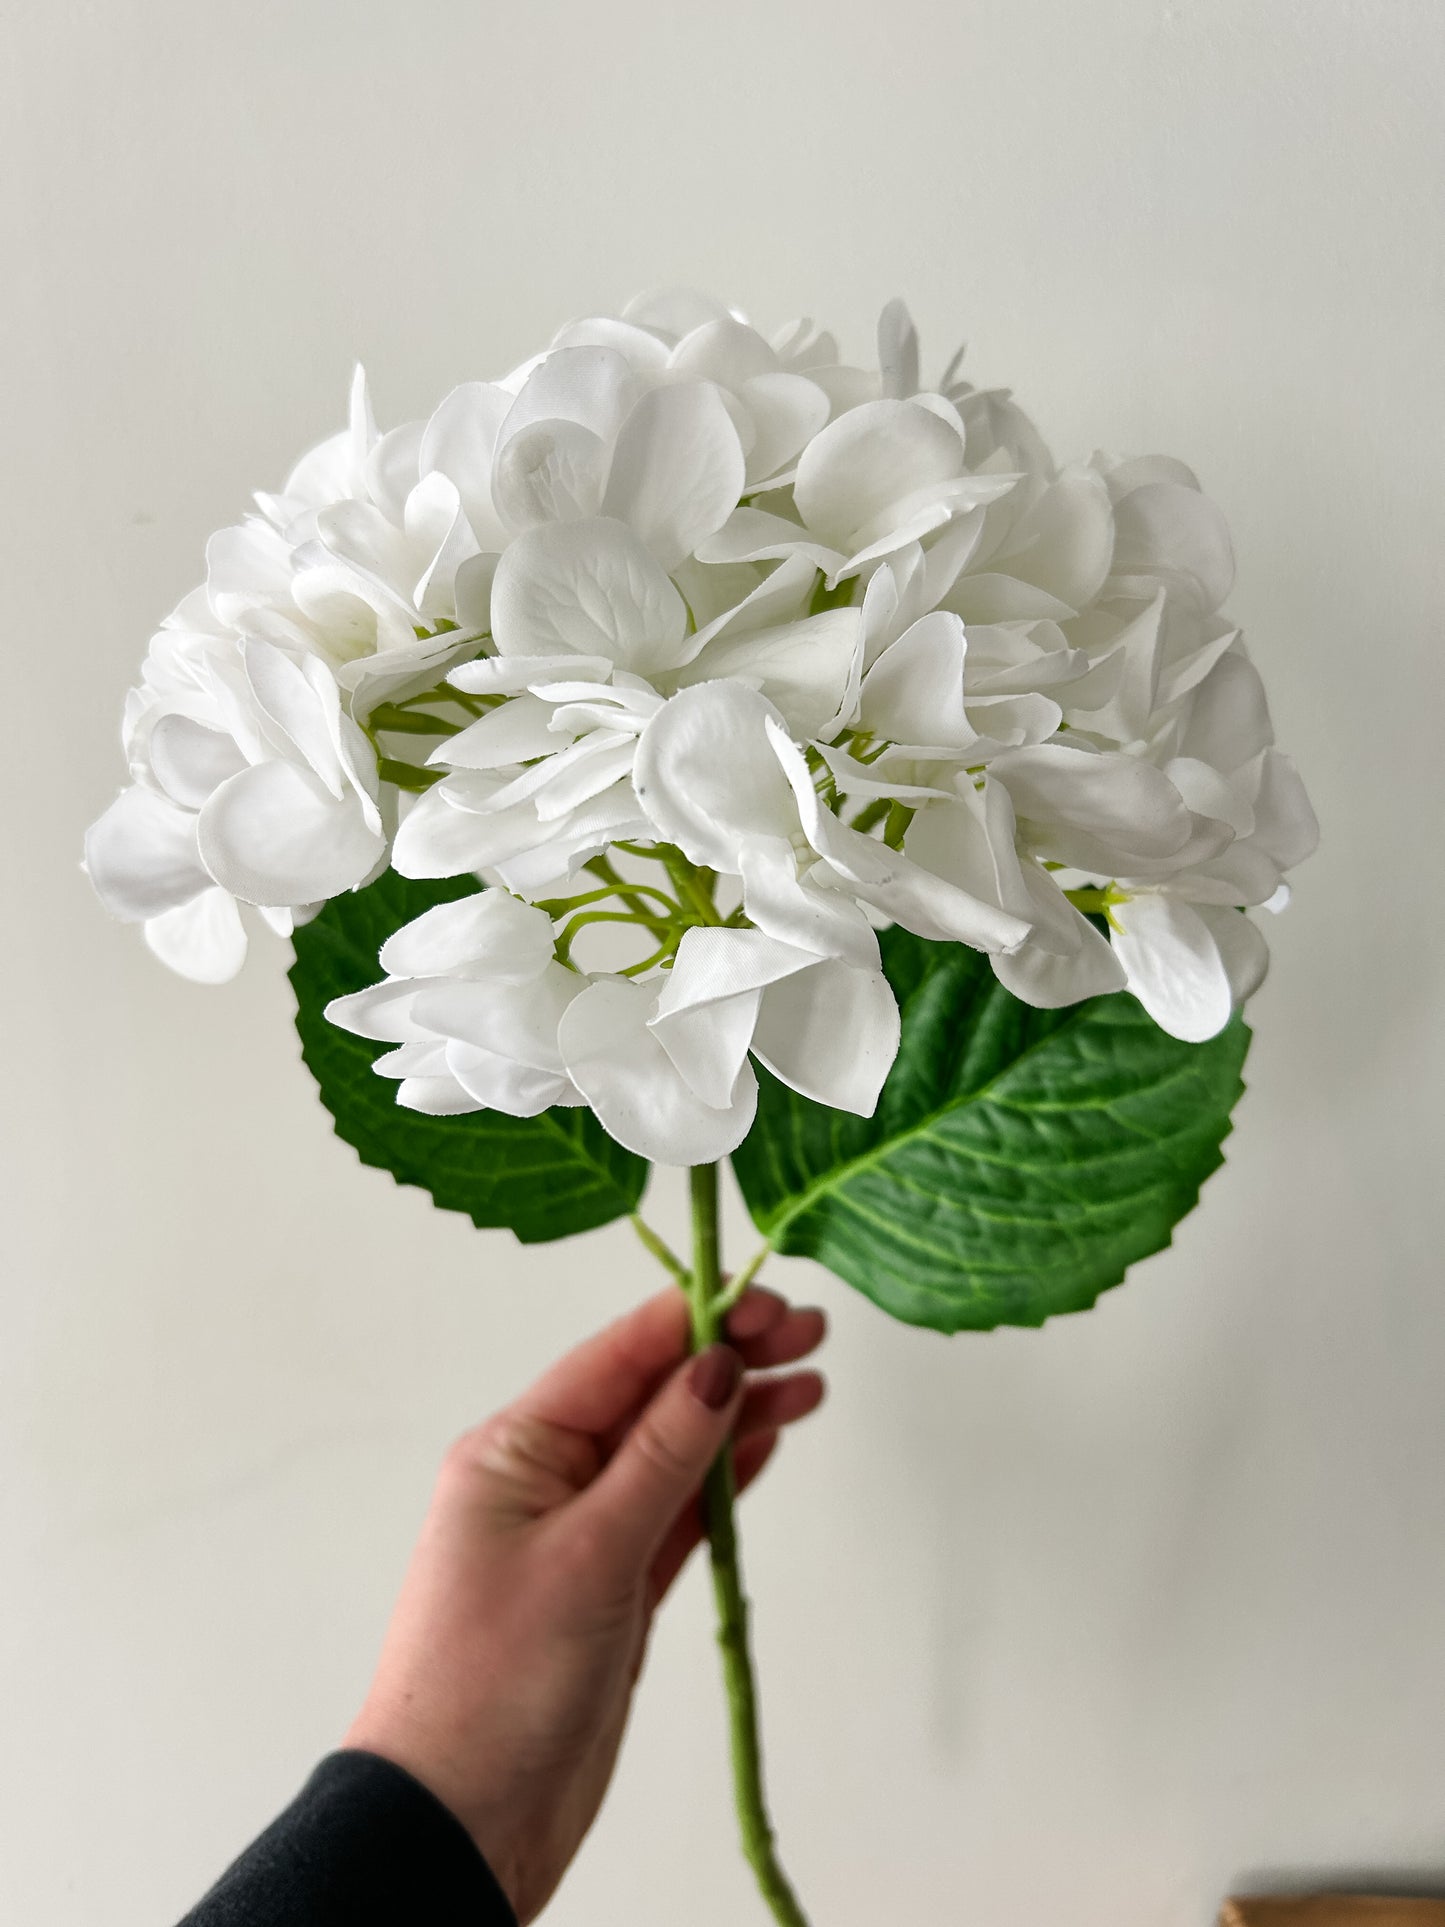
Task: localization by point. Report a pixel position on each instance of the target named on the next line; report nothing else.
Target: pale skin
(554, 1532)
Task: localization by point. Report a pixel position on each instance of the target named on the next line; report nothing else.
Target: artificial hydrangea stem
(736, 1286)
(706, 1298)
(661, 1250)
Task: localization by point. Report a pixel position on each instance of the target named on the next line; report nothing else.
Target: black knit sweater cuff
(362, 1845)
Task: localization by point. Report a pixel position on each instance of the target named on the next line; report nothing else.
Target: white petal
(674, 311)
(709, 1044)
(918, 515)
(549, 472)
(595, 387)
(204, 939)
(929, 905)
(798, 911)
(724, 350)
(706, 774)
(501, 1084)
(355, 611)
(787, 411)
(1064, 543)
(381, 1012)
(1242, 948)
(714, 965)
(590, 588)
(489, 934)
(435, 1096)
(715, 591)
(274, 834)
(359, 533)
(472, 593)
(1011, 722)
(246, 564)
(1101, 813)
(442, 837)
(992, 597)
(1123, 476)
(515, 732)
(1228, 722)
(1170, 529)
(370, 680)
(1174, 966)
(898, 351)
(451, 548)
(832, 1033)
(1064, 959)
(1050, 982)
(189, 760)
(865, 463)
(509, 675)
(642, 351)
(753, 535)
(1181, 673)
(573, 840)
(424, 1057)
(1241, 874)
(926, 904)
(898, 774)
(518, 1021)
(142, 858)
(914, 691)
(677, 469)
(287, 695)
(284, 920)
(459, 441)
(638, 1093)
(1208, 793)
(606, 759)
(804, 668)
(1120, 693)
(708, 1003)
(968, 838)
(1285, 825)
(737, 598)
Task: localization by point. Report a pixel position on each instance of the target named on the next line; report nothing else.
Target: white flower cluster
(711, 655)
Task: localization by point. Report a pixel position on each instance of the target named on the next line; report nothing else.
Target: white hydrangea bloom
(710, 655)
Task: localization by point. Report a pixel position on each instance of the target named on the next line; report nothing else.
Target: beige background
(1082, 1626)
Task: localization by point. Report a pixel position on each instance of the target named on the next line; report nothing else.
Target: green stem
(705, 1299)
(661, 1250)
(870, 814)
(899, 817)
(568, 932)
(738, 1284)
(694, 883)
(634, 895)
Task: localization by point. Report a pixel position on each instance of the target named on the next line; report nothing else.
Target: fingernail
(714, 1375)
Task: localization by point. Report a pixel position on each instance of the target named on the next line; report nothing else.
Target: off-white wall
(1077, 1626)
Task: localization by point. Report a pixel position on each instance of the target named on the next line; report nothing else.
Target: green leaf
(543, 1177)
(1019, 1160)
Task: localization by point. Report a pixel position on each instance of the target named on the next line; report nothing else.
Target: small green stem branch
(662, 1251)
(635, 896)
(707, 1301)
(737, 1285)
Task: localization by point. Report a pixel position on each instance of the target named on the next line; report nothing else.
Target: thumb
(663, 1460)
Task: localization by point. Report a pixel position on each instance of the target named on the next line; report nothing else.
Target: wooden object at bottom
(1333, 1910)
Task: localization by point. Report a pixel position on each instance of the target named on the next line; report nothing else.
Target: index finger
(599, 1382)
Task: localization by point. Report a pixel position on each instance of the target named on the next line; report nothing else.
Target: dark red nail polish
(714, 1376)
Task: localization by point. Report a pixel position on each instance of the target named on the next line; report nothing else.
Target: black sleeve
(362, 1845)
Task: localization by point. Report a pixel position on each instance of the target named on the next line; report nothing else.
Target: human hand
(555, 1529)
